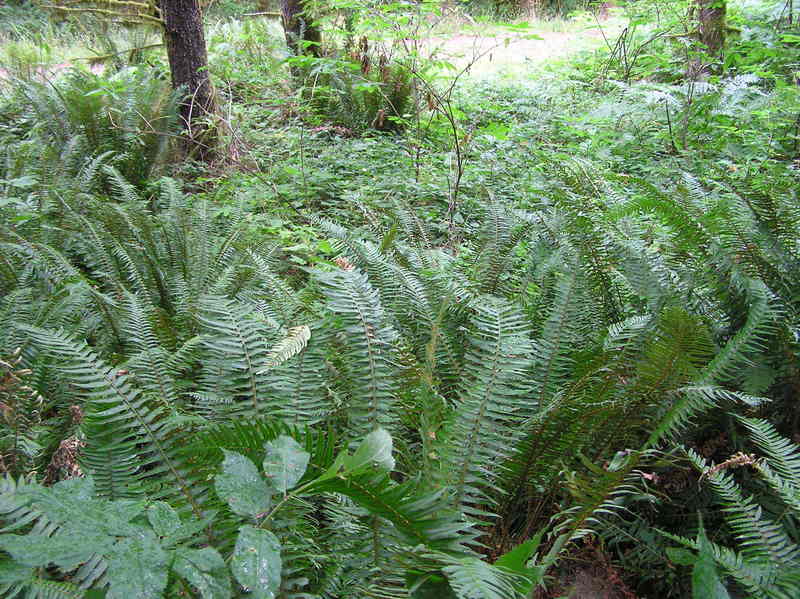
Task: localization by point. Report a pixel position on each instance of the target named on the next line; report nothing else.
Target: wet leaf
(164, 520)
(242, 486)
(285, 463)
(205, 570)
(137, 567)
(257, 562)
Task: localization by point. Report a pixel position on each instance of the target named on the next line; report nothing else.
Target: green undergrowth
(538, 336)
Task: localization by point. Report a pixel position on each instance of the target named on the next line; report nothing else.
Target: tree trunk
(711, 24)
(300, 29)
(188, 64)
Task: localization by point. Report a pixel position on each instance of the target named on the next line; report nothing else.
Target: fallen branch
(103, 11)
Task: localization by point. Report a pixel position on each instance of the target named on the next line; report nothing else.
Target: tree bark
(299, 28)
(711, 24)
(188, 64)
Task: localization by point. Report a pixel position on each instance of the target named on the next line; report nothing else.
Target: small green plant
(361, 90)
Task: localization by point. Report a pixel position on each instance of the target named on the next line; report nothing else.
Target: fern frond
(130, 441)
(493, 400)
(236, 348)
(369, 354)
(295, 341)
(760, 538)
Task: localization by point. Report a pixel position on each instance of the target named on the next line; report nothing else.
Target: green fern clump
(127, 120)
(390, 422)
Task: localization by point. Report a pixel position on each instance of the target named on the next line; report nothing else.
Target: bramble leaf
(257, 562)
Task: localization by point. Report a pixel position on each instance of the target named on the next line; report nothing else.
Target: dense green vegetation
(427, 321)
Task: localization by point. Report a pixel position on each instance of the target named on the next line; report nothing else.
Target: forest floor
(509, 53)
(491, 50)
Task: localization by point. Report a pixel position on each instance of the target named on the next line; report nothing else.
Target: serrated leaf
(164, 520)
(66, 550)
(294, 342)
(256, 562)
(285, 463)
(375, 451)
(137, 567)
(205, 570)
(241, 485)
(11, 572)
(705, 579)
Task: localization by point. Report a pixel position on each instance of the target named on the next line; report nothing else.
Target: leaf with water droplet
(256, 562)
(163, 518)
(205, 570)
(241, 485)
(137, 567)
(285, 463)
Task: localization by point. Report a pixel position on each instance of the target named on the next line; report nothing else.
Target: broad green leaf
(205, 570)
(430, 586)
(20, 182)
(256, 562)
(681, 556)
(285, 463)
(137, 567)
(705, 580)
(11, 572)
(164, 520)
(242, 486)
(517, 560)
(375, 451)
(66, 550)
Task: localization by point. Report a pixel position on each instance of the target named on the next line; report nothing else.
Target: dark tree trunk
(300, 29)
(188, 64)
(711, 24)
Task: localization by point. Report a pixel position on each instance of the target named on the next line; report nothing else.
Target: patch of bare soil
(588, 574)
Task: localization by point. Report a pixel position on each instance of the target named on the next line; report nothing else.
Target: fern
(369, 354)
(492, 401)
(129, 437)
(236, 350)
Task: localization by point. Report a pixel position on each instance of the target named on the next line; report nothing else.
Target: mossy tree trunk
(302, 34)
(711, 24)
(188, 64)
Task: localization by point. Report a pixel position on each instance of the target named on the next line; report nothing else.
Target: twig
(262, 14)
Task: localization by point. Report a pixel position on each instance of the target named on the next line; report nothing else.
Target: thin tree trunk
(711, 24)
(188, 64)
(300, 29)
